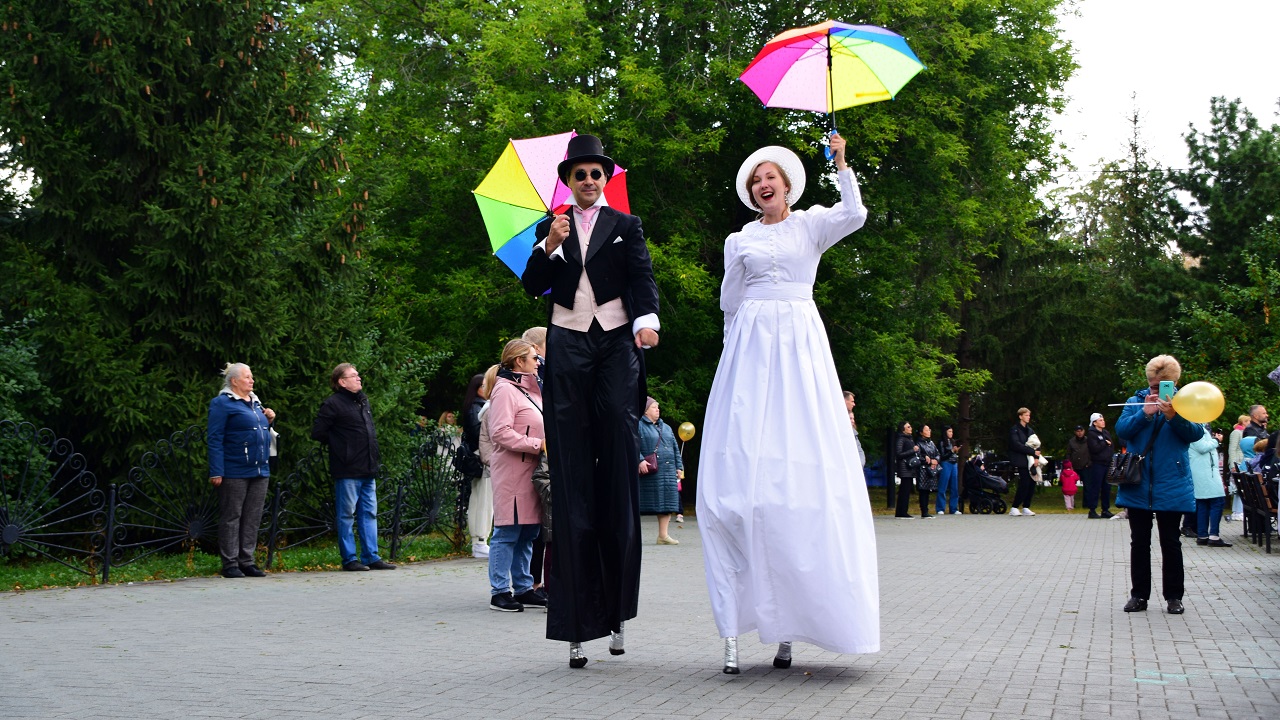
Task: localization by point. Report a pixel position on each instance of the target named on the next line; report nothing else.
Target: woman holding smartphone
(1149, 425)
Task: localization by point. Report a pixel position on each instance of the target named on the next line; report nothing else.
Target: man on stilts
(604, 305)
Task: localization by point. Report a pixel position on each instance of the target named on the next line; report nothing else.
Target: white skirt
(786, 524)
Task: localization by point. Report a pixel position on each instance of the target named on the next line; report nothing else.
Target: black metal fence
(52, 507)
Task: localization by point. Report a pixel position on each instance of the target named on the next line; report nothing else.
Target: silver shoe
(731, 656)
(577, 658)
(615, 640)
(783, 658)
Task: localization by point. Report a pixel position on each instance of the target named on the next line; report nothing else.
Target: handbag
(913, 462)
(929, 479)
(1126, 468)
(466, 461)
(651, 460)
(650, 463)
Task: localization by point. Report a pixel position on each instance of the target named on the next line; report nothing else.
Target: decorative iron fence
(425, 493)
(51, 506)
(167, 504)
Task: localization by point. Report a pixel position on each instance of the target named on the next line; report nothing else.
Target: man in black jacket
(1100, 451)
(594, 263)
(345, 424)
(1257, 426)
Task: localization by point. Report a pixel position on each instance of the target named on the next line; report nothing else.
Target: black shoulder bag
(466, 461)
(1126, 468)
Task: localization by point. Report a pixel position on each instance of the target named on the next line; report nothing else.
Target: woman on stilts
(786, 523)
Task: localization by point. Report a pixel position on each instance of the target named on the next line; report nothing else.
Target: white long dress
(786, 526)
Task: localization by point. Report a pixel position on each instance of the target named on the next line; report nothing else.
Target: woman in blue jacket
(239, 440)
(1166, 490)
(659, 490)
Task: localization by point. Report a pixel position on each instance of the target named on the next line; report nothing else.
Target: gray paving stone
(983, 618)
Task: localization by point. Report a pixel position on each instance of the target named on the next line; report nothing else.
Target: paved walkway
(983, 617)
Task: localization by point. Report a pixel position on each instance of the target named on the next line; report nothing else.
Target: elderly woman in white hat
(786, 524)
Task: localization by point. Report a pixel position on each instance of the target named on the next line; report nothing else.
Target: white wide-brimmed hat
(783, 158)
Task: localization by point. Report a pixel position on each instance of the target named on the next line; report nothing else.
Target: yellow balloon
(686, 431)
(1199, 402)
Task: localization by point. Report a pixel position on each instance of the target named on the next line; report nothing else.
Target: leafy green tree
(1233, 340)
(191, 206)
(1074, 311)
(23, 395)
(1234, 180)
(949, 169)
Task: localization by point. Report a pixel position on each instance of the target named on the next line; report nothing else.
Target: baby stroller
(983, 490)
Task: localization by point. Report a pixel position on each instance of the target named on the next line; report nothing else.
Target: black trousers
(535, 562)
(1022, 496)
(1096, 487)
(924, 503)
(1170, 553)
(904, 498)
(592, 417)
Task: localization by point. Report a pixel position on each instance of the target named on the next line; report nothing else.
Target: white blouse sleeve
(734, 285)
(827, 226)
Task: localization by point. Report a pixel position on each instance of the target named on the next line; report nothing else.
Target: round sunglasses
(581, 175)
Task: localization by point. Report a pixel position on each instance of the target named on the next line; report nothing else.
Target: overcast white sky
(1176, 55)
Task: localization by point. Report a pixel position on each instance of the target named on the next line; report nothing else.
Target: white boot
(615, 641)
(731, 656)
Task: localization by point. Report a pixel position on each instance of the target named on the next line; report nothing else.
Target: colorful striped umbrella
(831, 66)
(522, 188)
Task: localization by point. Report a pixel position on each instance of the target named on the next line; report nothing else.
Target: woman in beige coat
(515, 426)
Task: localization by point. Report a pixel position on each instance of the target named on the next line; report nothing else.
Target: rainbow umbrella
(522, 188)
(831, 66)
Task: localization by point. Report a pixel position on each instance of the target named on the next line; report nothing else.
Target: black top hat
(584, 148)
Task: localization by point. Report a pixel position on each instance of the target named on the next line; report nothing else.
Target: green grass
(31, 574)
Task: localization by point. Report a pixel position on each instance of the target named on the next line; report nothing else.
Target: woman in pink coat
(515, 427)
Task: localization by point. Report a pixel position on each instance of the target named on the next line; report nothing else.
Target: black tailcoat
(594, 395)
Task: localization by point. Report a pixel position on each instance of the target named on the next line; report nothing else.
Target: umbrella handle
(826, 151)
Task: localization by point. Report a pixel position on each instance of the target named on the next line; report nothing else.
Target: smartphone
(1167, 390)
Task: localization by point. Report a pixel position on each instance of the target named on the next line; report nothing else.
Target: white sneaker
(957, 512)
(1027, 511)
(479, 550)
(1015, 512)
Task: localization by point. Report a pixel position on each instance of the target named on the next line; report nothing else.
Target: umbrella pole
(831, 103)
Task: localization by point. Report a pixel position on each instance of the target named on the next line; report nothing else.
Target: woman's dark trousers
(904, 497)
(924, 502)
(1170, 552)
(240, 502)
